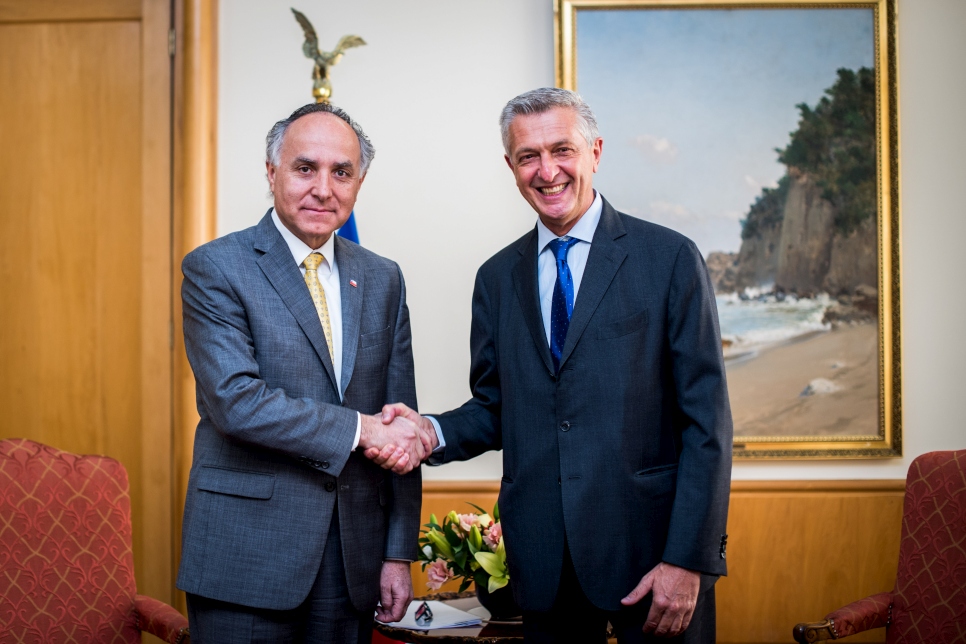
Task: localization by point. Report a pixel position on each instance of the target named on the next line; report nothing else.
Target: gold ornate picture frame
(692, 96)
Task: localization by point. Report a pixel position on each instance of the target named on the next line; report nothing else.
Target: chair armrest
(161, 620)
(874, 611)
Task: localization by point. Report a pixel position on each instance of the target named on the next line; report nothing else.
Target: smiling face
(317, 178)
(553, 166)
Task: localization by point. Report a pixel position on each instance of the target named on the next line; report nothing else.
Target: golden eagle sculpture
(321, 86)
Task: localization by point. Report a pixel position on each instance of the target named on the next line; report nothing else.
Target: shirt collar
(583, 230)
(300, 249)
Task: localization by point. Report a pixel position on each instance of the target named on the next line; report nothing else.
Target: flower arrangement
(465, 545)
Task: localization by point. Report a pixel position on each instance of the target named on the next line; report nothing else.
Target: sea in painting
(753, 133)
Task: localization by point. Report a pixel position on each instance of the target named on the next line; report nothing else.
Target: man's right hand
(399, 438)
(389, 456)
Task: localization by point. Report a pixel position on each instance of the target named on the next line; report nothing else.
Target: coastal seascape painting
(766, 133)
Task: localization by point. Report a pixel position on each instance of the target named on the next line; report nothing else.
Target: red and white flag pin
(353, 284)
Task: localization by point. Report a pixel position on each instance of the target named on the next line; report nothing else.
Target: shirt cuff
(355, 443)
(439, 435)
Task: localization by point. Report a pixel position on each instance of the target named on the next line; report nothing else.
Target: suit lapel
(283, 273)
(528, 293)
(606, 256)
(351, 268)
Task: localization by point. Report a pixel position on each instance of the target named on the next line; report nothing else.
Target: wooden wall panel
(85, 251)
(796, 551)
(61, 10)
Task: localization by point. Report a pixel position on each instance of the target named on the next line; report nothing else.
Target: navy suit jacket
(273, 449)
(626, 451)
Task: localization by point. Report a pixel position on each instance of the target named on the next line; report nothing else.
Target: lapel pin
(353, 284)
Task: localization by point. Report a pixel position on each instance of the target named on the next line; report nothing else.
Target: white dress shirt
(583, 231)
(329, 278)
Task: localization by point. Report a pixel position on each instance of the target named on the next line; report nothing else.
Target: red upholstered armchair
(66, 567)
(928, 604)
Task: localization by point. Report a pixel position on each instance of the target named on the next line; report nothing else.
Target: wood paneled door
(86, 261)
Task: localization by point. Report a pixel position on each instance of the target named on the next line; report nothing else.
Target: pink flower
(493, 535)
(438, 573)
(467, 521)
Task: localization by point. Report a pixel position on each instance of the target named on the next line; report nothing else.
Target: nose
(322, 186)
(548, 168)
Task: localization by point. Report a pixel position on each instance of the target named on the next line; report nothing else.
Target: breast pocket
(622, 327)
(375, 338)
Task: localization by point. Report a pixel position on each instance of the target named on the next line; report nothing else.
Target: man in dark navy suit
(597, 369)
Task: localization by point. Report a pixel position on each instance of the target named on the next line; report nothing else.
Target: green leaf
(496, 583)
(492, 563)
(481, 578)
(451, 536)
(496, 511)
(465, 584)
(481, 510)
(440, 545)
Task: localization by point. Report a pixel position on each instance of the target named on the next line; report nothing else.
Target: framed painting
(767, 133)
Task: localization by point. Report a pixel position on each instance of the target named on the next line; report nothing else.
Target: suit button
(565, 426)
(325, 465)
(330, 486)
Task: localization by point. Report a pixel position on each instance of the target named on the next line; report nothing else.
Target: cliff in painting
(807, 265)
(815, 232)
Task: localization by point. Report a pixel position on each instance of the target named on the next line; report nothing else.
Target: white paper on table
(443, 617)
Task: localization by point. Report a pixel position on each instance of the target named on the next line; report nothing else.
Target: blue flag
(348, 230)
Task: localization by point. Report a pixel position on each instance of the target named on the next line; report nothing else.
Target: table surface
(486, 634)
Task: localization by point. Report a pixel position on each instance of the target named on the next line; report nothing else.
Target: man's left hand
(396, 591)
(675, 595)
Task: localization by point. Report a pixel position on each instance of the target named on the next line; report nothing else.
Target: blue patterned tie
(562, 304)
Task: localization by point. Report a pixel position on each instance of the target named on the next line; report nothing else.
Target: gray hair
(273, 142)
(544, 99)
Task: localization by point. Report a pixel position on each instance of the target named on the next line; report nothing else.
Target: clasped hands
(399, 439)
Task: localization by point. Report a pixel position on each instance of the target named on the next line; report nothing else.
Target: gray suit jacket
(626, 452)
(272, 451)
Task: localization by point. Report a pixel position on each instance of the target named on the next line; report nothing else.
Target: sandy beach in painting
(838, 369)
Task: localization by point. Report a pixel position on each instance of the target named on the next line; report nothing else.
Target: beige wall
(440, 200)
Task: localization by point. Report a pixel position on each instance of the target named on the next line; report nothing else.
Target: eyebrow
(344, 165)
(553, 145)
(306, 161)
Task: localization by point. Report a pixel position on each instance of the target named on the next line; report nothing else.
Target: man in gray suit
(597, 369)
(296, 335)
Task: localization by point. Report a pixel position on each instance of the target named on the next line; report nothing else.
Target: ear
(506, 157)
(597, 149)
(270, 173)
(363, 177)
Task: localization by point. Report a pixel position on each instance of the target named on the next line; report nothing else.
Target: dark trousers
(574, 619)
(327, 615)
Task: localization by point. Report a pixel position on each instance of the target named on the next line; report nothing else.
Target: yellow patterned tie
(318, 295)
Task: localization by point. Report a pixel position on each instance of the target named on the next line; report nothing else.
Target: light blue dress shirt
(584, 231)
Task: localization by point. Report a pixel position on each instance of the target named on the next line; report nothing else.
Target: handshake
(398, 440)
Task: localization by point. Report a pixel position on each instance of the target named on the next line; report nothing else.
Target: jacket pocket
(252, 485)
(657, 470)
(375, 338)
(622, 327)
